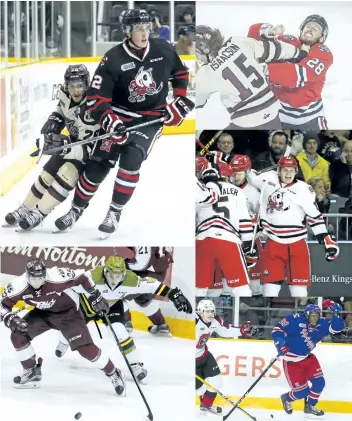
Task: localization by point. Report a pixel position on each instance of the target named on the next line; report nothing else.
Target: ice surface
(72, 385)
(337, 92)
(264, 415)
(161, 210)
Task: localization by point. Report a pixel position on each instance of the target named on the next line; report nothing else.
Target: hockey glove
(248, 330)
(282, 348)
(336, 309)
(16, 324)
(332, 249)
(180, 301)
(111, 123)
(54, 124)
(53, 140)
(178, 110)
(98, 302)
(250, 256)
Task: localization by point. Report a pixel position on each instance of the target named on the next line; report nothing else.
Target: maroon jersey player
(54, 295)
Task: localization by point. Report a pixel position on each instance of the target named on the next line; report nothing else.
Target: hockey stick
(205, 148)
(224, 397)
(253, 385)
(150, 414)
(104, 136)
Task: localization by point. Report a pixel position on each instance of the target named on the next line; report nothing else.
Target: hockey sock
(85, 190)
(313, 398)
(38, 189)
(157, 318)
(127, 316)
(208, 398)
(124, 186)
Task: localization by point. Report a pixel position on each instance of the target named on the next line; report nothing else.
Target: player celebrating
(299, 85)
(221, 229)
(206, 365)
(60, 174)
(286, 205)
(295, 337)
(149, 262)
(236, 69)
(129, 86)
(115, 282)
(53, 293)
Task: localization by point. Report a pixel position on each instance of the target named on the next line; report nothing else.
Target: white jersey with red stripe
(205, 330)
(228, 219)
(205, 195)
(238, 74)
(286, 208)
(252, 194)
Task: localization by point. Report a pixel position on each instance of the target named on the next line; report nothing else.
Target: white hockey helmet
(205, 305)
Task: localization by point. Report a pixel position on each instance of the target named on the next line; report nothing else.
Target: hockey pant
(104, 157)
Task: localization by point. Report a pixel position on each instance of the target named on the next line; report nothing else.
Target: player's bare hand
(278, 30)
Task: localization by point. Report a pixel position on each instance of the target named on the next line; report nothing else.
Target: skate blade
(104, 235)
(162, 335)
(6, 225)
(314, 417)
(57, 231)
(27, 386)
(21, 231)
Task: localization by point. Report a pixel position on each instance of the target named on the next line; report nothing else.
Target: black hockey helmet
(132, 17)
(76, 73)
(36, 273)
(321, 21)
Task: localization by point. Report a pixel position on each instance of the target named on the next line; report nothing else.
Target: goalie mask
(115, 271)
(36, 273)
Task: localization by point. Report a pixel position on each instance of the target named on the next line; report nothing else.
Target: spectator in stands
(330, 145)
(225, 143)
(341, 172)
(322, 199)
(159, 30)
(184, 45)
(277, 146)
(312, 164)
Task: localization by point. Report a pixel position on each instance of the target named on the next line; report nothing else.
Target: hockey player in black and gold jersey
(130, 86)
(60, 174)
(115, 282)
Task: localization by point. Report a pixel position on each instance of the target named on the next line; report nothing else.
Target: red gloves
(178, 110)
(111, 123)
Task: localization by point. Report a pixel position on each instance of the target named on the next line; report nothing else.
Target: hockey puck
(272, 416)
(78, 416)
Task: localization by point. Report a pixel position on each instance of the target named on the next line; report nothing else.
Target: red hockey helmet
(240, 163)
(201, 164)
(225, 169)
(287, 161)
(327, 304)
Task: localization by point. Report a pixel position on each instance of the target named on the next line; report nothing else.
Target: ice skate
(287, 405)
(110, 224)
(30, 379)
(129, 327)
(118, 382)
(31, 220)
(139, 372)
(69, 219)
(217, 410)
(61, 349)
(312, 412)
(162, 329)
(13, 218)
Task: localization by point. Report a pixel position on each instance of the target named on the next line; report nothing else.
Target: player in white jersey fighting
(221, 229)
(60, 174)
(236, 69)
(206, 365)
(285, 207)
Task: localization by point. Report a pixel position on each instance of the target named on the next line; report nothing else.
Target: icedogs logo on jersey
(276, 202)
(143, 85)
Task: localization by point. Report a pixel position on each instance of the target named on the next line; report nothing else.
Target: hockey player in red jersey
(299, 86)
(286, 206)
(130, 86)
(224, 235)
